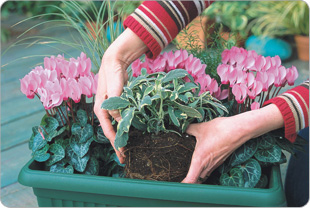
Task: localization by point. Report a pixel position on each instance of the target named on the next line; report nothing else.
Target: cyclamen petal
(240, 92)
(86, 86)
(255, 106)
(291, 75)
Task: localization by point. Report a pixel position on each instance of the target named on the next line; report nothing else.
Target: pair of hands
(216, 139)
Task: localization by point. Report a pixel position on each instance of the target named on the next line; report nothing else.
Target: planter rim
(198, 193)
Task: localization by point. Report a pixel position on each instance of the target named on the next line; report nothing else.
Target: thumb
(193, 129)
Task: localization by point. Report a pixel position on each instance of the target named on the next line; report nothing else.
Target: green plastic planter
(56, 190)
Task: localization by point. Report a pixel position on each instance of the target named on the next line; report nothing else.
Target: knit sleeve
(294, 107)
(157, 23)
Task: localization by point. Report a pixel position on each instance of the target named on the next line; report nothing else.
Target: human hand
(112, 77)
(219, 138)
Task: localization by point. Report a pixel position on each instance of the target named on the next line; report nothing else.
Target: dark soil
(162, 157)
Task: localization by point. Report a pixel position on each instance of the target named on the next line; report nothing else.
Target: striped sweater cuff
(294, 107)
(157, 23)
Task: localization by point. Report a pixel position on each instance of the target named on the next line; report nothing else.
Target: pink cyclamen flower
(291, 75)
(71, 89)
(240, 92)
(255, 89)
(51, 94)
(28, 86)
(255, 106)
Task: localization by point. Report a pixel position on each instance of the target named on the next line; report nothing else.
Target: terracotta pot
(240, 41)
(199, 26)
(302, 44)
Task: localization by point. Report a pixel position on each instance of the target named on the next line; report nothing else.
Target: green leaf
(83, 133)
(265, 142)
(146, 101)
(251, 173)
(92, 167)
(78, 163)
(120, 140)
(80, 149)
(62, 167)
(243, 153)
(234, 178)
(174, 96)
(148, 90)
(138, 123)
(263, 182)
(155, 97)
(55, 133)
(38, 142)
(270, 155)
(42, 155)
(63, 142)
(137, 81)
(114, 103)
(173, 117)
(101, 138)
(81, 116)
(191, 112)
(50, 124)
(174, 74)
(57, 153)
(188, 86)
(125, 122)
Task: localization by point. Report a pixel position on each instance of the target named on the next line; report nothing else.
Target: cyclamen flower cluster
(180, 59)
(249, 74)
(60, 80)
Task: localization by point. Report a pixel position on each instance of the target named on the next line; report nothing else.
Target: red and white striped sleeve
(294, 107)
(157, 23)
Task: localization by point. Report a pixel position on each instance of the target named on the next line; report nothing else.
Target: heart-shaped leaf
(57, 153)
(55, 133)
(92, 167)
(79, 163)
(101, 138)
(234, 178)
(270, 155)
(42, 155)
(49, 123)
(80, 149)
(265, 142)
(263, 182)
(251, 173)
(62, 167)
(243, 153)
(38, 141)
(81, 116)
(83, 133)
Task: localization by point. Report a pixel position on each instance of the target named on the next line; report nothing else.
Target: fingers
(193, 129)
(195, 169)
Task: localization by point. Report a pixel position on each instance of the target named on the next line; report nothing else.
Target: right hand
(112, 78)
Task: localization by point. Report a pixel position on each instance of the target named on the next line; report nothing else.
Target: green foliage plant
(161, 102)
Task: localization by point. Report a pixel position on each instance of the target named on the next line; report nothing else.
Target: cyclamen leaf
(38, 142)
(173, 117)
(42, 155)
(191, 112)
(80, 149)
(49, 123)
(271, 155)
(57, 154)
(265, 142)
(83, 133)
(263, 182)
(62, 167)
(175, 74)
(101, 138)
(251, 173)
(92, 167)
(78, 163)
(234, 178)
(82, 117)
(114, 103)
(243, 153)
(55, 133)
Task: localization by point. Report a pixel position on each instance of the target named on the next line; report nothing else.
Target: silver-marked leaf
(114, 103)
(172, 116)
(63, 142)
(120, 140)
(271, 155)
(243, 153)
(50, 124)
(62, 167)
(57, 153)
(81, 116)
(42, 155)
(101, 138)
(38, 141)
(263, 182)
(125, 122)
(80, 149)
(83, 133)
(190, 112)
(175, 74)
(252, 172)
(55, 133)
(233, 178)
(78, 163)
(92, 167)
(265, 142)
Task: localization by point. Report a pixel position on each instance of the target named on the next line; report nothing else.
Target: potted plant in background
(233, 16)
(275, 20)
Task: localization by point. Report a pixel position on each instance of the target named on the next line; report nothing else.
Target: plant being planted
(156, 109)
(68, 139)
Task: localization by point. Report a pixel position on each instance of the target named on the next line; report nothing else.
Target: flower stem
(62, 121)
(92, 116)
